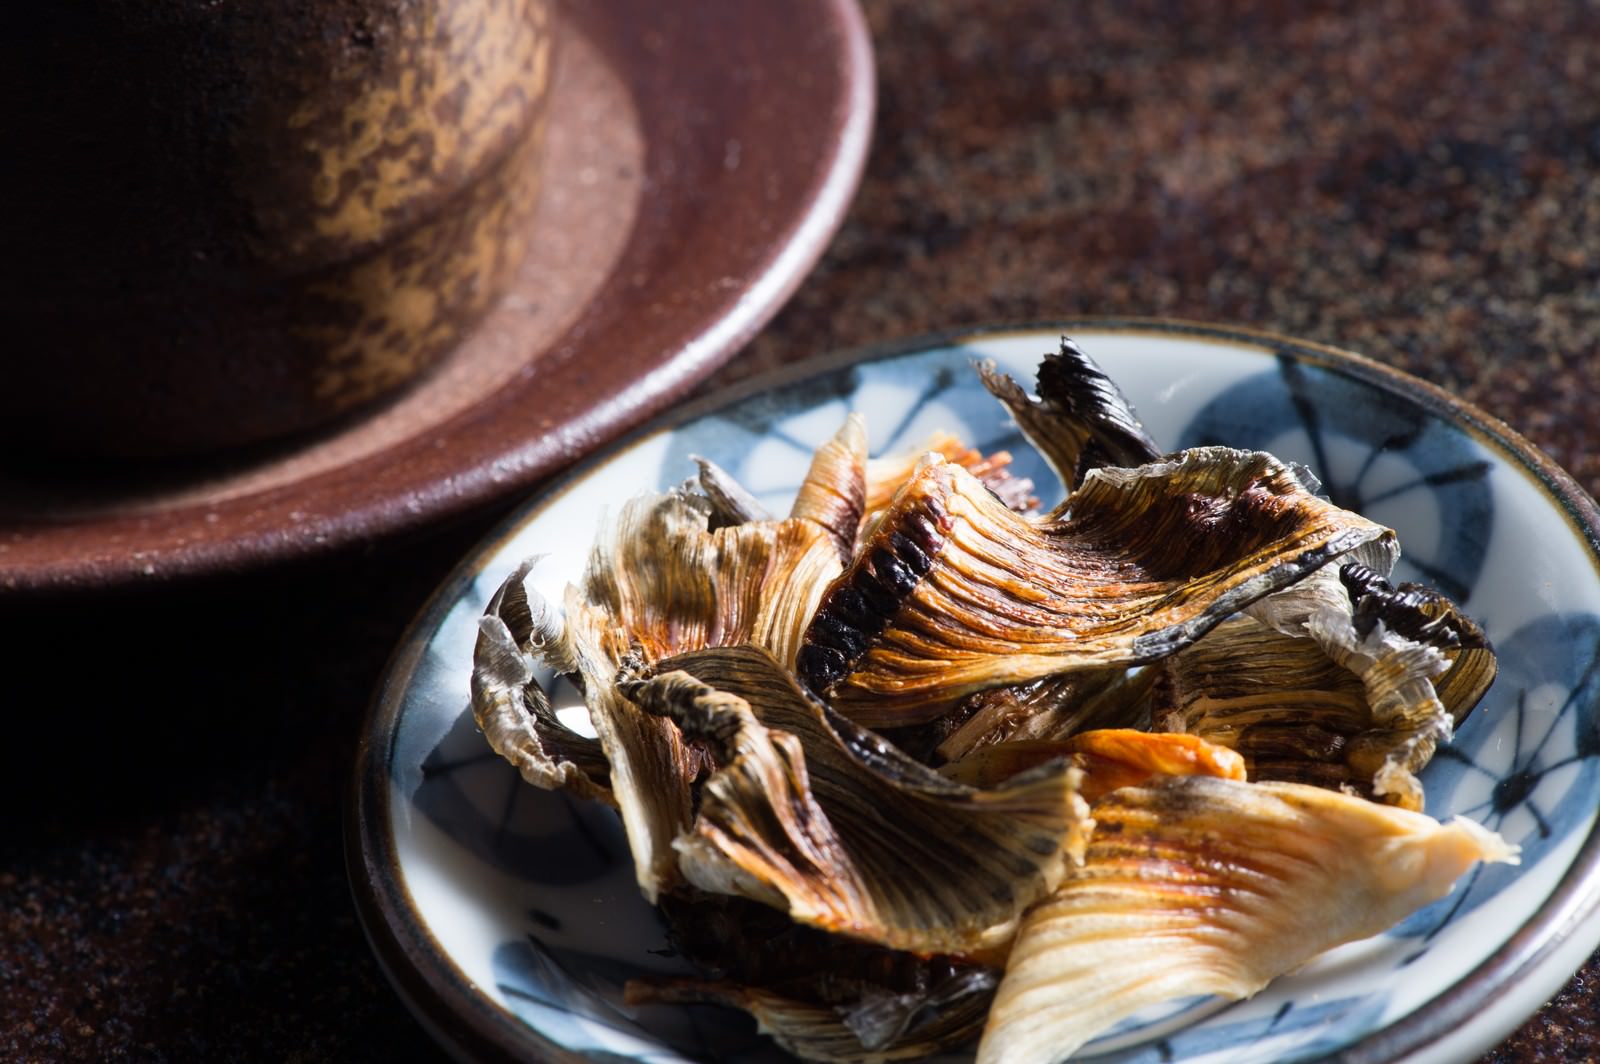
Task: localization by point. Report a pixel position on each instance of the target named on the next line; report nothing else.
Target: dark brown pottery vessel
(230, 221)
(697, 160)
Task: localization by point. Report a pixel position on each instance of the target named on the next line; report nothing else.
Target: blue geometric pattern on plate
(1373, 453)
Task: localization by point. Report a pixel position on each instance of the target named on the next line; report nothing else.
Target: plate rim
(274, 525)
(371, 858)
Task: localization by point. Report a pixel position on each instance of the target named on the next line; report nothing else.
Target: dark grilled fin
(1070, 382)
(1415, 611)
(1080, 420)
(858, 606)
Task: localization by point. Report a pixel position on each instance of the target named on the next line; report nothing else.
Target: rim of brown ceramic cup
(604, 372)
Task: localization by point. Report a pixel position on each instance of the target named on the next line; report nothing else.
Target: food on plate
(1110, 759)
(952, 593)
(1200, 885)
(1079, 420)
(821, 996)
(918, 761)
(886, 475)
(810, 814)
(1342, 681)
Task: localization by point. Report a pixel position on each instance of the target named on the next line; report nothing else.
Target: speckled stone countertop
(1419, 182)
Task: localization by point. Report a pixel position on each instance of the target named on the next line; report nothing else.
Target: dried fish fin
(514, 713)
(947, 1014)
(1080, 420)
(1409, 721)
(627, 605)
(652, 767)
(1425, 616)
(886, 475)
(534, 623)
(510, 706)
(1289, 709)
(889, 1000)
(778, 701)
(1053, 708)
(953, 593)
(660, 582)
(1422, 665)
(852, 838)
(638, 763)
(802, 568)
(834, 491)
(896, 1028)
(731, 503)
(1196, 885)
(671, 585)
(1110, 758)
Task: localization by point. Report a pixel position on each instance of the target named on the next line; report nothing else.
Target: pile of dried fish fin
(919, 765)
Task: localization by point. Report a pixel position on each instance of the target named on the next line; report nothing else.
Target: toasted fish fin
(659, 582)
(1080, 419)
(953, 593)
(849, 837)
(1111, 758)
(834, 491)
(1347, 680)
(886, 475)
(519, 629)
(897, 1027)
(1200, 885)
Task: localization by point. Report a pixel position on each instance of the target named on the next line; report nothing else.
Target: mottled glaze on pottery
(697, 160)
(236, 221)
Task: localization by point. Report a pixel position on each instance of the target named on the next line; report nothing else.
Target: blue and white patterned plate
(508, 919)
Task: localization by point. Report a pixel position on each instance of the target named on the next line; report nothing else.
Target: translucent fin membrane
(1197, 885)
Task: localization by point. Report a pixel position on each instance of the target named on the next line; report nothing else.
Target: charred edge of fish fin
(831, 632)
(860, 606)
(1073, 383)
(1415, 611)
(820, 667)
(1163, 642)
(699, 710)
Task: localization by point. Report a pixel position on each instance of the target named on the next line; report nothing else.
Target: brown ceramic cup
(230, 221)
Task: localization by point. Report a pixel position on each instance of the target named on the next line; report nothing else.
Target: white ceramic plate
(508, 918)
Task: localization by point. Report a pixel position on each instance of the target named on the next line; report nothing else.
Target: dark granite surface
(1416, 181)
